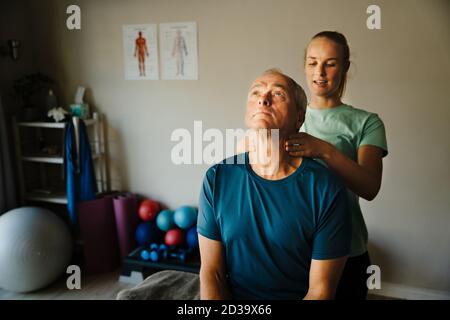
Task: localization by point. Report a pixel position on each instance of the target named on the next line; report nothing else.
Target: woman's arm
(213, 283)
(362, 177)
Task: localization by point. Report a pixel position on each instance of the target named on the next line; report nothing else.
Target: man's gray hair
(299, 95)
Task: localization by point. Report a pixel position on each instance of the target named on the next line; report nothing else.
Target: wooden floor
(99, 287)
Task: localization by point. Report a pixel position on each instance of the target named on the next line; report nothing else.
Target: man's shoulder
(321, 175)
(237, 160)
(235, 163)
(316, 167)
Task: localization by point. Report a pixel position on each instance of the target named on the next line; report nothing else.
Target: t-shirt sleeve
(374, 133)
(206, 220)
(333, 235)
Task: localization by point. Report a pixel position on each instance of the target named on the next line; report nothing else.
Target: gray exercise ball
(35, 248)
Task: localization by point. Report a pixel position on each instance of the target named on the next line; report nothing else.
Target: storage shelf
(53, 198)
(51, 159)
(56, 125)
(44, 159)
(43, 180)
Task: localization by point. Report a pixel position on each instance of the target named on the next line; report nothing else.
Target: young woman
(350, 141)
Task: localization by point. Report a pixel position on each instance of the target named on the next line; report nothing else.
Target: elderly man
(274, 230)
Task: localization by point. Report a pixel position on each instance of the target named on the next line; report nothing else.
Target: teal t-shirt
(348, 128)
(271, 229)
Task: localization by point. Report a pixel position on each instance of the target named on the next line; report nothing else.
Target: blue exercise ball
(164, 220)
(147, 232)
(35, 248)
(192, 238)
(185, 217)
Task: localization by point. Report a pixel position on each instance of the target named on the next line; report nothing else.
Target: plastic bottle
(51, 101)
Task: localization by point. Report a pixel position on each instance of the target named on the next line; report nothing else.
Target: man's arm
(213, 282)
(324, 277)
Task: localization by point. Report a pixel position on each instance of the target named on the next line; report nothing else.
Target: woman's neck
(318, 102)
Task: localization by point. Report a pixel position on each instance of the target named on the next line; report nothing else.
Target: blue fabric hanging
(80, 177)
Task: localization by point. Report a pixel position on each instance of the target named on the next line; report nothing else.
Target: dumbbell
(145, 255)
(180, 254)
(157, 252)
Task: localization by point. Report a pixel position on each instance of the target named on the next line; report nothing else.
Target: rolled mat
(98, 232)
(125, 210)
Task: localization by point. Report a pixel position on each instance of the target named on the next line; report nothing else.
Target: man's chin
(261, 125)
(258, 128)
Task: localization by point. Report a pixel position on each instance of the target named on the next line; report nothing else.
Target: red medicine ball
(174, 237)
(148, 210)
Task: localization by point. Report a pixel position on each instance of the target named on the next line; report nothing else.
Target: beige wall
(15, 23)
(399, 72)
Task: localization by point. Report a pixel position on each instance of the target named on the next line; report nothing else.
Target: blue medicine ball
(148, 232)
(164, 220)
(192, 238)
(185, 217)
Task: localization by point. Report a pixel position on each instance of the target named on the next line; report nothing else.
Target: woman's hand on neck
(268, 157)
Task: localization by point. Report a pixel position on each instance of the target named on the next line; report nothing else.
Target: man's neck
(270, 165)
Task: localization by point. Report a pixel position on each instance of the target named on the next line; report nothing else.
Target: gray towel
(165, 285)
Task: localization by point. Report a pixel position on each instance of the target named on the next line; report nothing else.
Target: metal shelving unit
(59, 197)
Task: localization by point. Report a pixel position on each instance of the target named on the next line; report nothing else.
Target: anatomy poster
(140, 47)
(178, 50)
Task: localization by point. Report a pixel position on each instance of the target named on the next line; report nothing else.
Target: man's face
(270, 105)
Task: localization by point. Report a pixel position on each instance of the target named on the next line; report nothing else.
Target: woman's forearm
(358, 179)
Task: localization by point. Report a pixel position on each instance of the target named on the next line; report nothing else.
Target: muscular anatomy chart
(140, 47)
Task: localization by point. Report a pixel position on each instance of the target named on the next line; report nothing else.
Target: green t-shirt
(348, 128)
